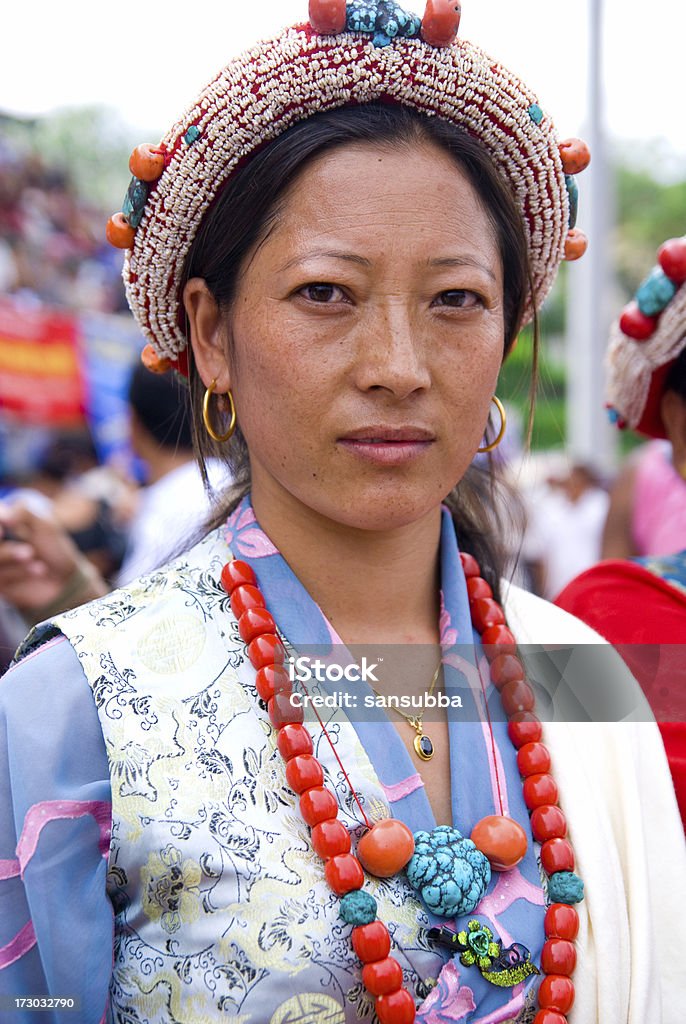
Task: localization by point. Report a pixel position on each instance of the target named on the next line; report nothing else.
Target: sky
(148, 60)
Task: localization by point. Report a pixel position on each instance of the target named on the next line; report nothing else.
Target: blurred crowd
(52, 245)
(72, 529)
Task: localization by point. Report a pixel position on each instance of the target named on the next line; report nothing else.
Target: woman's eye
(322, 293)
(458, 299)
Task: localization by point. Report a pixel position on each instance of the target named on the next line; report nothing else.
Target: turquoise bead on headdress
(655, 292)
(383, 19)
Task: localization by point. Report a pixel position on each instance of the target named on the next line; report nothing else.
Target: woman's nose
(391, 355)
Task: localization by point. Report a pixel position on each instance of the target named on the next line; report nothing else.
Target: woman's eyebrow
(461, 261)
(336, 254)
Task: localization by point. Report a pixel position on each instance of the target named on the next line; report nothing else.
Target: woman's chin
(385, 513)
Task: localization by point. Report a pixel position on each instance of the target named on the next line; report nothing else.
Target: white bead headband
(306, 69)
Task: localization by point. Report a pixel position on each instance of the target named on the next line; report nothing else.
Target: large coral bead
(502, 840)
(576, 245)
(575, 155)
(441, 22)
(386, 848)
(119, 232)
(327, 17)
(146, 162)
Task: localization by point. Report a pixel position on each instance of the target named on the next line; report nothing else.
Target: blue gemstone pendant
(423, 746)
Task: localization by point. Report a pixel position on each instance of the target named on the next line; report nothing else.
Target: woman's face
(366, 337)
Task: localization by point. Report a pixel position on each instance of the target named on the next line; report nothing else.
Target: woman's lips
(388, 446)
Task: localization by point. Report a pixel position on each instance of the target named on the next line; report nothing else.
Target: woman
(349, 292)
(640, 604)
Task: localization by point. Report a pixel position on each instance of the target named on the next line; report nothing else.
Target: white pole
(589, 295)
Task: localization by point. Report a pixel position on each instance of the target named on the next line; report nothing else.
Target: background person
(565, 524)
(640, 604)
(44, 568)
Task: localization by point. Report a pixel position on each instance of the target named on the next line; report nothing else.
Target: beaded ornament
(360, 52)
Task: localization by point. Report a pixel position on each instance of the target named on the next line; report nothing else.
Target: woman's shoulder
(46, 683)
(195, 571)
(537, 621)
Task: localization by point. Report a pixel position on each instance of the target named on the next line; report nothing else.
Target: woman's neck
(373, 586)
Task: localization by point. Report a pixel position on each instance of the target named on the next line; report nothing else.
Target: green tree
(90, 144)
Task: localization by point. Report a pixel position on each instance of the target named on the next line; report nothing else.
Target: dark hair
(245, 209)
(162, 406)
(676, 376)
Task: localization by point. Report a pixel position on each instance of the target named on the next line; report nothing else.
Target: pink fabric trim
(503, 1012)
(403, 788)
(40, 814)
(34, 654)
(448, 1001)
(9, 869)
(500, 777)
(511, 886)
(18, 946)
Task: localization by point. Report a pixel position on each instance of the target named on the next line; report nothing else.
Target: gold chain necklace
(423, 744)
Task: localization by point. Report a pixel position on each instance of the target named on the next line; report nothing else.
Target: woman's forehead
(380, 192)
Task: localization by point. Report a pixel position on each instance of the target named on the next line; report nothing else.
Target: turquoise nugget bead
(655, 292)
(134, 201)
(358, 908)
(573, 193)
(535, 113)
(448, 872)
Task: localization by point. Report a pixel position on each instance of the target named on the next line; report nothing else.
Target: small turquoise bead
(535, 113)
(655, 292)
(565, 887)
(358, 908)
(134, 201)
(573, 194)
(192, 135)
(612, 415)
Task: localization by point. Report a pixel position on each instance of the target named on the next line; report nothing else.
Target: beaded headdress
(645, 341)
(358, 52)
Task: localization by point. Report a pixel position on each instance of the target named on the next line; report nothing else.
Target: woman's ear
(207, 334)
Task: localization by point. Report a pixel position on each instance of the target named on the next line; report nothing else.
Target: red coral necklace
(389, 846)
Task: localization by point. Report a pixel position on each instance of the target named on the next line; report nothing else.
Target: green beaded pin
(478, 947)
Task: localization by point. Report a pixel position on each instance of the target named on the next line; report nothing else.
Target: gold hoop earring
(219, 438)
(501, 433)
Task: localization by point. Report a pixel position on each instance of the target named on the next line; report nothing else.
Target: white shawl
(617, 793)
